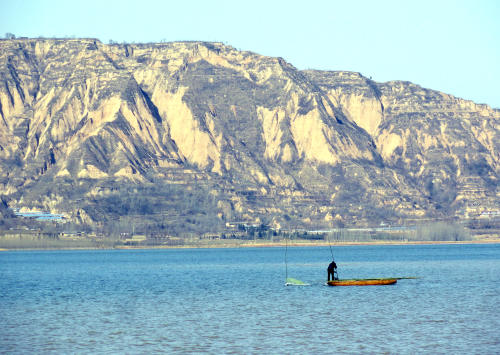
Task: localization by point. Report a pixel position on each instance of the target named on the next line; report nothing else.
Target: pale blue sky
(451, 46)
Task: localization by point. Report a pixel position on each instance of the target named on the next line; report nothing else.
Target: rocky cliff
(195, 136)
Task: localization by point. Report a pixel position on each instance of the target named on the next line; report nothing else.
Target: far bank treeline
(48, 235)
(122, 223)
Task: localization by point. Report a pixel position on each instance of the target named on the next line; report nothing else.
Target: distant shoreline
(263, 244)
(307, 244)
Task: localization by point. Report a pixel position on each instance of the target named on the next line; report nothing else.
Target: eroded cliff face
(79, 120)
(447, 146)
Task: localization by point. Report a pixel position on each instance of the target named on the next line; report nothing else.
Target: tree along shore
(246, 235)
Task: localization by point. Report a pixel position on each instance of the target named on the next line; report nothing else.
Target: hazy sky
(451, 46)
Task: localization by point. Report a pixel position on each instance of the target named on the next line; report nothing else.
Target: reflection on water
(235, 301)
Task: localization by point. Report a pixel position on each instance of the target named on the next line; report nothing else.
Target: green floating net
(290, 281)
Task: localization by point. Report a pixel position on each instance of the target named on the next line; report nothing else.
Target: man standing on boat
(332, 271)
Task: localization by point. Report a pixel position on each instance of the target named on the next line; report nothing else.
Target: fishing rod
(286, 259)
(289, 281)
(330, 244)
(335, 274)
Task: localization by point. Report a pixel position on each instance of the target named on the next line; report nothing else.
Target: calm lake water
(223, 301)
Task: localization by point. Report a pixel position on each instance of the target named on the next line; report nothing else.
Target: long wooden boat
(362, 282)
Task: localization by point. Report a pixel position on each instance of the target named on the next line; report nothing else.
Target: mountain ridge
(83, 125)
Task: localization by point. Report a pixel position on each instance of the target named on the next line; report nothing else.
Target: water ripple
(234, 301)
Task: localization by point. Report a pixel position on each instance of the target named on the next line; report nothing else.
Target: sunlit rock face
(448, 147)
(80, 120)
